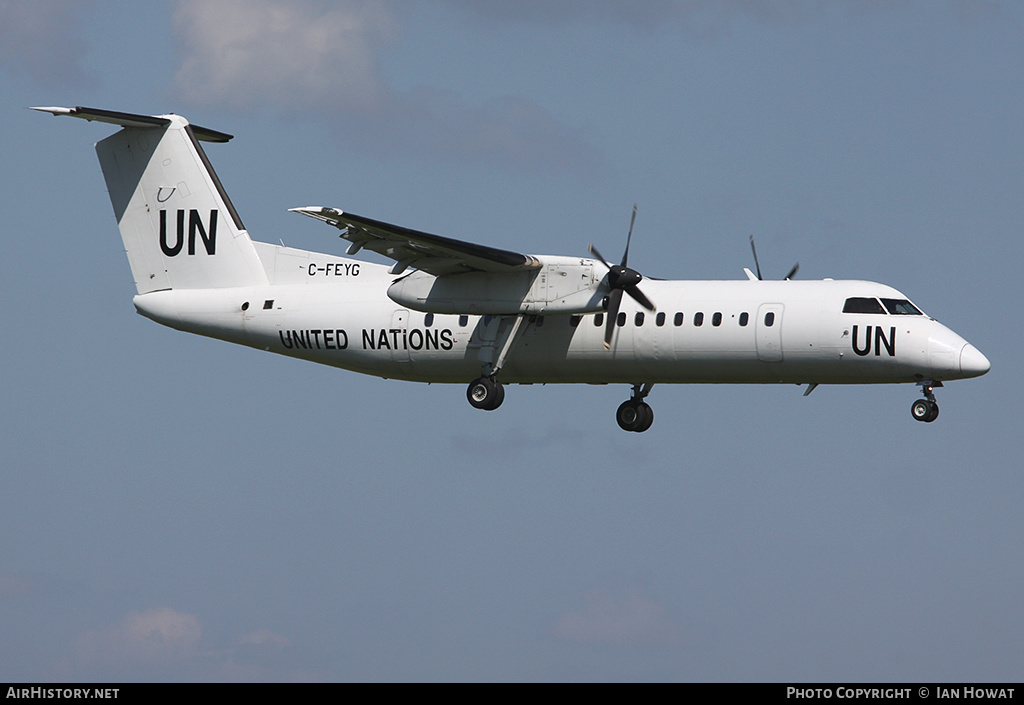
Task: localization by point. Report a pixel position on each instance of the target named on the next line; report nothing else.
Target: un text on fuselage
(880, 341)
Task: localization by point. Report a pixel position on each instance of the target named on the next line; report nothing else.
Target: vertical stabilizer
(179, 227)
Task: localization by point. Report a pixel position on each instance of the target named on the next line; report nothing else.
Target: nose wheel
(635, 414)
(927, 409)
(924, 410)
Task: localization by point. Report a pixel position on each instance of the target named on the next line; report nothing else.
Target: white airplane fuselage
(455, 311)
(336, 311)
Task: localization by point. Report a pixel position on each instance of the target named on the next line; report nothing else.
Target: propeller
(792, 272)
(621, 278)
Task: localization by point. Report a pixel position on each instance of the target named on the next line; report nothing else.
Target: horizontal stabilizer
(114, 117)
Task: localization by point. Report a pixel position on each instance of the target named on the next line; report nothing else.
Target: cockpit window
(861, 304)
(901, 307)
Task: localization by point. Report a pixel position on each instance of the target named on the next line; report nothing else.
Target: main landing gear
(485, 393)
(635, 414)
(927, 409)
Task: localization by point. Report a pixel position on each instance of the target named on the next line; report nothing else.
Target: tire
(634, 416)
(628, 415)
(924, 410)
(646, 416)
(499, 396)
(485, 393)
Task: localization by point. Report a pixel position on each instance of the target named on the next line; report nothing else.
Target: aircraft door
(400, 323)
(769, 332)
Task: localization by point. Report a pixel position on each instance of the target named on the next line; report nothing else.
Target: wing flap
(434, 254)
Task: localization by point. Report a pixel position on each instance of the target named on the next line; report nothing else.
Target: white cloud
(632, 621)
(243, 53)
(157, 636)
(321, 60)
(165, 644)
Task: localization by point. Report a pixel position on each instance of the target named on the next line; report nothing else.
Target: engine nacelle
(562, 285)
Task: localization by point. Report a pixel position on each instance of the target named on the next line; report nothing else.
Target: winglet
(318, 212)
(54, 110)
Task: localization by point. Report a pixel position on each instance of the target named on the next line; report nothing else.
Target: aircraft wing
(410, 248)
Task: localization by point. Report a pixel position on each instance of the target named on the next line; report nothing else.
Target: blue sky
(177, 508)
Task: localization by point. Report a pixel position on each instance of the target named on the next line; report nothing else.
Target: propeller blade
(614, 299)
(629, 236)
(792, 272)
(756, 263)
(639, 297)
(620, 278)
(593, 251)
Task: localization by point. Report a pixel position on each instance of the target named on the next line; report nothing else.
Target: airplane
(449, 311)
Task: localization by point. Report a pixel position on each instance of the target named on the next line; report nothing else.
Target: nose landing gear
(927, 409)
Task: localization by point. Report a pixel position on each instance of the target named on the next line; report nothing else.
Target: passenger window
(574, 320)
(621, 319)
(463, 321)
(638, 319)
(678, 320)
(716, 319)
(698, 319)
(598, 320)
(428, 320)
(862, 304)
(769, 319)
(659, 320)
(744, 319)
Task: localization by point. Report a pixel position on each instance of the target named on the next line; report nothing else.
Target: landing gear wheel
(647, 413)
(634, 415)
(924, 410)
(628, 415)
(485, 393)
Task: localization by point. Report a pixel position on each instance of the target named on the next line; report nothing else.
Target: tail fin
(179, 227)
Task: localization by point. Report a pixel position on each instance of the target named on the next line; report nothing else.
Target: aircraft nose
(972, 362)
